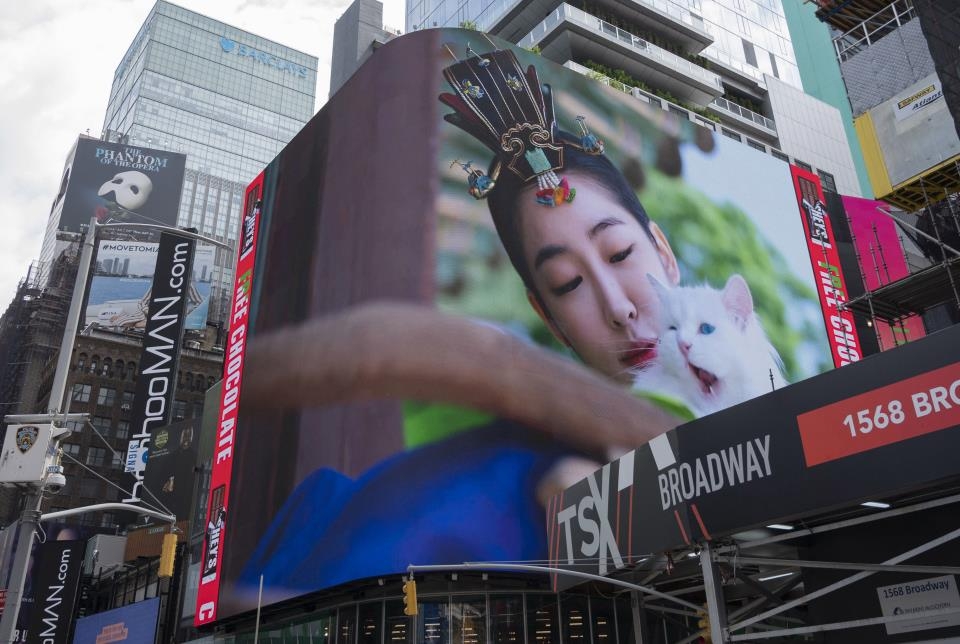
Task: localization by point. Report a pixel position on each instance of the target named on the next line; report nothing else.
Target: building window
(179, 409)
(106, 396)
(827, 181)
(756, 146)
(107, 520)
(81, 393)
(779, 155)
(730, 134)
(749, 53)
(82, 361)
(803, 166)
(73, 449)
(101, 424)
(123, 429)
(96, 456)
(126, 401)
(773, 65)
(116, 461)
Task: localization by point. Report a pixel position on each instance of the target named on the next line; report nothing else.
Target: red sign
(208, 592)
(825, 260)
(920, 405)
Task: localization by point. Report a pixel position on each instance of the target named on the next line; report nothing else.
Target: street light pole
(58, 405)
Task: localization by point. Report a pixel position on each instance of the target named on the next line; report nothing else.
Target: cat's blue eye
(706, 328)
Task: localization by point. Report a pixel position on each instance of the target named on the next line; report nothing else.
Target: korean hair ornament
(507, 109)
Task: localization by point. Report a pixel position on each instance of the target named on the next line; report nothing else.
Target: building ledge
(569, 33)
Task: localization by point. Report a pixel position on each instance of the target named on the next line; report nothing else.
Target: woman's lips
(639, 354)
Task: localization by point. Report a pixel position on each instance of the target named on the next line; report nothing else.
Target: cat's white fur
(713, 352)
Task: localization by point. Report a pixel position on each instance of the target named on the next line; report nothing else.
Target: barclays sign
(233, 47)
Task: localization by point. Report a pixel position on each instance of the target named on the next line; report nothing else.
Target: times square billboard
(119, 183)
(518, 200)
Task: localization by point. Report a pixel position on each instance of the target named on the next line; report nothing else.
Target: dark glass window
(106, 396)
(371, 618)
(602, 618)
(574, 620)
(803, 166)
(749, 53)
(468, 620)
(347, 625)
(434, 622)
(506, 619)
(81, 393)
(542, 625)
(397, 625)
(773, 65)
(827, 181)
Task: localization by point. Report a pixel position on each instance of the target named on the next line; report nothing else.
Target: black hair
(504, 197)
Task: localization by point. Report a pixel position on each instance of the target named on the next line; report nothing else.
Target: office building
(227, 98)
(356, 35)
(726, 64)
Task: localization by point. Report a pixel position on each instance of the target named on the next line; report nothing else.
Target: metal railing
(675, 11)
(891, 17)
(648, 50)
(743, 112)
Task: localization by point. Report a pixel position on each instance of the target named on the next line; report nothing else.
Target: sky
(58, 59)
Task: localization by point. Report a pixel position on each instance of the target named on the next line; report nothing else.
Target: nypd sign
(230, 46)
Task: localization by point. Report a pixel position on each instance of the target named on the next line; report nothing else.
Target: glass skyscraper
(752, 34)
(228, 99)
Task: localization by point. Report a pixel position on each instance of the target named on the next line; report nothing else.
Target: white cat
(712, 352)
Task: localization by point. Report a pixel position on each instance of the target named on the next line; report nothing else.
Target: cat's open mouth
(708, 381)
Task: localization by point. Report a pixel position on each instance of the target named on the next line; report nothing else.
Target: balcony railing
(743, 112)
(873, 28)
(675, 11)
(648, 50)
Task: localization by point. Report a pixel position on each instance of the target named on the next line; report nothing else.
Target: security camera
(55, 480)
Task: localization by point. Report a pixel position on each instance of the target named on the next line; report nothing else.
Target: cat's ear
(737, 299)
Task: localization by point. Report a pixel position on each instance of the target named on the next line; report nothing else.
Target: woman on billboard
(600, 274)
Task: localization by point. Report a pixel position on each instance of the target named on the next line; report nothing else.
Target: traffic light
(703, 623)
(168, 555)
(410, 597)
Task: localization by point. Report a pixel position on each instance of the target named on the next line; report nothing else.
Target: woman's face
(589, 260)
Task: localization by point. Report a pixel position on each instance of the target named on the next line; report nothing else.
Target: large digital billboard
(531, 203)
(118, 183)
(122, 279)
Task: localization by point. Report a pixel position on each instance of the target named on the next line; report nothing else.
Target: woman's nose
(620, 309)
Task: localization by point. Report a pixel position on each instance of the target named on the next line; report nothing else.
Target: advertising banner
(208, 592)
(516, 196)
(157, 380)
(131, 624)
(170, 467)
(123, 276)
(120, 183)
(814, 445)
(882, 260)
(59, 564)
(825, 260)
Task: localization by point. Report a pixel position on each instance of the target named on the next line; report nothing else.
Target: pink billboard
(882, 261)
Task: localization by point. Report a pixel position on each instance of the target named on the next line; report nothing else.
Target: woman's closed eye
(616, 258)
(566, 287)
